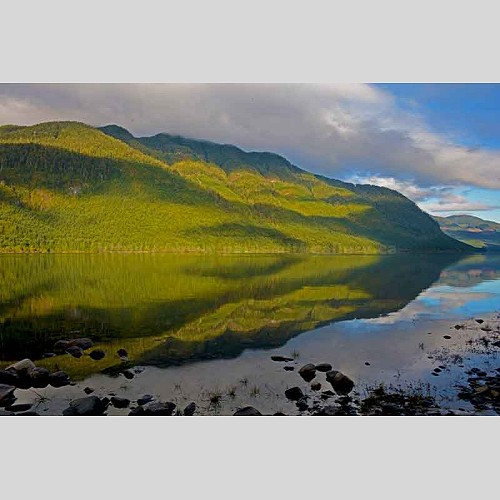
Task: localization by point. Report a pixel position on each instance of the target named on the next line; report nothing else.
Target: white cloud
(331, 129)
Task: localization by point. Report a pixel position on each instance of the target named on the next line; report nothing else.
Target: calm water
(195, 326)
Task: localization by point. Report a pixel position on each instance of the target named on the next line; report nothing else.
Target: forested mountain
(66, 186)
(472, 230)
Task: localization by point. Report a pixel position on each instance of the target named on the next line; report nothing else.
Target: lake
(204, 328)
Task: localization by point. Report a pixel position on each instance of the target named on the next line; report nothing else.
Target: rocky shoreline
(314, 389)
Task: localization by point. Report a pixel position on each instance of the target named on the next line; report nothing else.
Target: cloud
(332, 129)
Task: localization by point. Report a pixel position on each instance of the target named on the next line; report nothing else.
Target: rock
(19, 408)
(247, 411)
(190, 409)
(145, 399)
(324, 367)
(128, 374)
(159, 409)
(302, 404)
(61, 345)
(89, 406)
(49, 354)
(482, 389)
(281, 358)
(288, 368)
(437, 370)
(459, 327)
(366, 363)
(22, 367)
(82, 343)
(39, 377)
(447, 337)
(6, 394)
(88, 390)
(75, 351)
(294, 393)
(58, 379)
(97, 354)
(316, 386)
(120, 402)
(480, 321)
(137, 411)
(308, 372)
(9, 377)
(341, 383)
(279, 414)
(30, 413)
(122, 353)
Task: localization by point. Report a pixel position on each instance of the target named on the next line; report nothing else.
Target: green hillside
(69, 187)
(479, 233)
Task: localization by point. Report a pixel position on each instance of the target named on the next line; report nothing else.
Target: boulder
(89, 406)
(158, 409)
(341, 383)
(58, 379)
(6, 394)
(324, 367)
(97, 354)
(82, 343)
(294, 393)
(308, 372)
(120, 402)
(247, 411)
(39, 377)
(22, 367)
(75, 351)
(190, 409)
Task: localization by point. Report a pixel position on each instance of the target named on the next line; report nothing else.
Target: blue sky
(439, 144)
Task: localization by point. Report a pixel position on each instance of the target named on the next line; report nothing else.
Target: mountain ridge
(67, 186)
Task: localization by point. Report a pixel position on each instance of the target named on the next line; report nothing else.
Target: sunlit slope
(66, 187)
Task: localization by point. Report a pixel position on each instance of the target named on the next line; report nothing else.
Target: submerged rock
(281, 358)
(324, 367)
(247, 411)
(145, 399)
(97, 354)
(294, 393)
(308, 372)
(190, 409)
(89, 406)
(341, 383)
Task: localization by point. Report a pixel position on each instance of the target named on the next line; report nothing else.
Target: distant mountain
(66, 187)
(472, 230)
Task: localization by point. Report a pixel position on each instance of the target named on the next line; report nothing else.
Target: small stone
(302, 404)
(128, 374)
(58, 379)
(122, 353)
(247, 411)
(308, 372)
(437, 370)
(190, 409)
(288, 368)
(480, 321)
(145, 399)
(446, 337)
(294, 393)
(429, 333)
(366, 363)
(281, 358)
(75, 351)
(458, 327)
(120, 402)
(97, 354)
(316, 386)
(279, 414)
(324, 367)
(88, 390)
